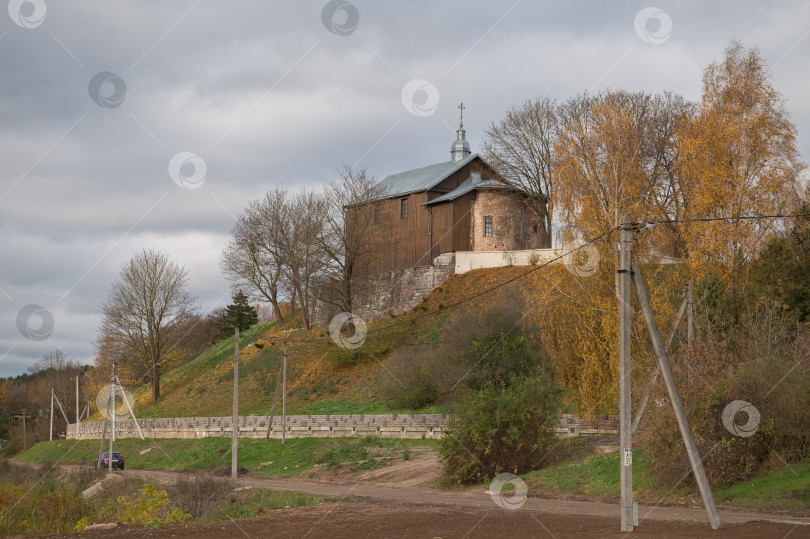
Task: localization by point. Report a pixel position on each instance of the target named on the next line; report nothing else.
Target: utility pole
(78, 405)
(129, 406)
(643, 404)
(50, 432)
(25, 445)
(235, 420)
(675, 398)
(112, 413)
(273, 407)
(284, 395)
(100, 462)
(625, 387)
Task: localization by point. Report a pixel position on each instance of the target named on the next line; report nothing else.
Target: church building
(457, 205)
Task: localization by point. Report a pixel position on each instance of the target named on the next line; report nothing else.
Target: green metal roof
(421, 179)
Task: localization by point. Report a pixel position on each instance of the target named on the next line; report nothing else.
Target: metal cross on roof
(461, 117)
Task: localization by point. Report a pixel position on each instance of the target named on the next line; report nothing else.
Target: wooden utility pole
(284, 395)
(235, 420)
(78, 405)
(625, 387)
(675, 398)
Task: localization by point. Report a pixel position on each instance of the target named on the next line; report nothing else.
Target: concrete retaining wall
(472, 260)
(427, 426)
(298, 426)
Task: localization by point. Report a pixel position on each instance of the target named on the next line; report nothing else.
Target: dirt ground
(416, 471)
(365, 518)
(394, 501)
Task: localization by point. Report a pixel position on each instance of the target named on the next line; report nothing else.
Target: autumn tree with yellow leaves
(738, 158)
(659, 158)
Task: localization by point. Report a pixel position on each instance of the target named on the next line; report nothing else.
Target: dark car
(117, 460)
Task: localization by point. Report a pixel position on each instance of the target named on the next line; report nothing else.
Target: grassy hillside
(322, 377)
(263, 457)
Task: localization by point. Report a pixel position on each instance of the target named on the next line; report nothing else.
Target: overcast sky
(126, 125)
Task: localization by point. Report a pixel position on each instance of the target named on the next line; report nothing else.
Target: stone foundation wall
(415, 426)
(390, 293)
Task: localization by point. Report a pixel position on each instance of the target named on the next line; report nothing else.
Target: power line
(547, 263)
(711, 219)
(468, 298)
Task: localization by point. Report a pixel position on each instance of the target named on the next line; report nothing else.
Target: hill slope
(322, 377)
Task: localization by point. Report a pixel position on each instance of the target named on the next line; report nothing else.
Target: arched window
(487, 227)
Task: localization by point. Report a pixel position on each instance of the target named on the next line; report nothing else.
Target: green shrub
(151, 508)
(417, 389)
(479, 346)
(32, 500)
(501, 429)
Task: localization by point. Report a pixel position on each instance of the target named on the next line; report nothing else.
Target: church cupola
(460, 148)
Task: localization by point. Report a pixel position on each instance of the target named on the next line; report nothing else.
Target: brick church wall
(514, 227)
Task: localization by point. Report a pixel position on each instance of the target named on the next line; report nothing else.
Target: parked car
(117, 460)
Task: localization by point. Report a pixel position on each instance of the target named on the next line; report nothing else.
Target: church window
(403, 208)
(535, 228)
(487, 227)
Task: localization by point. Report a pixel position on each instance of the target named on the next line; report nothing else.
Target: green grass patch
(178, 378)
(344, 407)
(292, 458)
(596, 477)
(785, 488)
(258, 501)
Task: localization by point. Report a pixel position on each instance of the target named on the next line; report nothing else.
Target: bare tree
(521, 148)
(252, 259)
(347, 238)
(300, 226)
(55, 360)
(145, 308)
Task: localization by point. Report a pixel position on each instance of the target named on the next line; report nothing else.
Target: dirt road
(393, 502)
(360, 518)
(375, 509)
(479, 500)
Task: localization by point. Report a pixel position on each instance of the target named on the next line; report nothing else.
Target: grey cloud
(291, 116)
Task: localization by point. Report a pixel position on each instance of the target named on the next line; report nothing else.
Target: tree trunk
(276, 310)
(347, 291)
(155, 381)
(304, 309)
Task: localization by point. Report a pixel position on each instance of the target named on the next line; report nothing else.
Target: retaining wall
(386, 294)
(427, 426)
